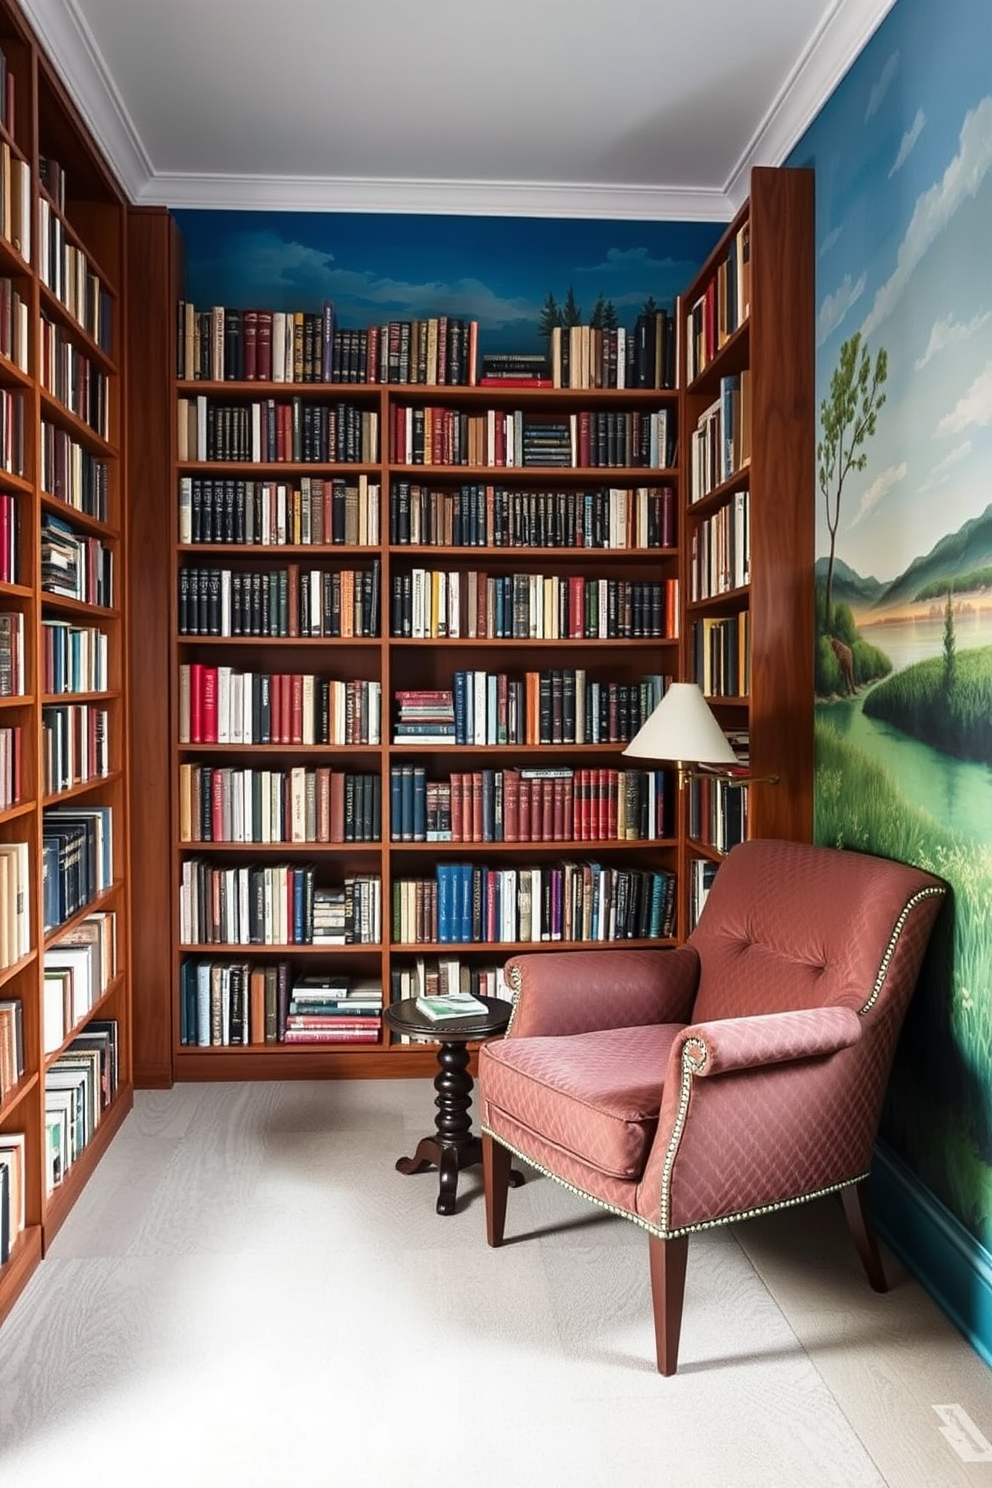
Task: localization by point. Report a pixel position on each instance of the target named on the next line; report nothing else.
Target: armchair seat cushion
(595, 1096)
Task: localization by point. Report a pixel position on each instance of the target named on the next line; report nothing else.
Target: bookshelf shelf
(70, 217)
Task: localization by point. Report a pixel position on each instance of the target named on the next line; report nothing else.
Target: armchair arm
(757, 1112)
(563, 992)
(769, 1038)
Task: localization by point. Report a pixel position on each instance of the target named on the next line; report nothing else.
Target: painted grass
(954, 717)
(949, 1142)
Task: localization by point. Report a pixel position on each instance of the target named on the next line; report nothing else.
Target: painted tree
(571, 315)
(848, 418)
(550, 316)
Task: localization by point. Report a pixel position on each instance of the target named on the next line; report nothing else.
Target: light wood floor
(249, 1294)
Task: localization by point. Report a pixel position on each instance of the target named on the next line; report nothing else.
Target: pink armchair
(742, 1072)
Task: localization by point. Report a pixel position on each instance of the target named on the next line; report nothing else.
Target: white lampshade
(682, 729)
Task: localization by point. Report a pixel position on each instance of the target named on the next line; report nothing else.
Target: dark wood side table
(454, 1146)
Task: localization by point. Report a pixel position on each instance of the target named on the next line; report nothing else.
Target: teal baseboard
(946, 1260)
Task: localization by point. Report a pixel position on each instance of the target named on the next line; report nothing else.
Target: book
(453, 1005)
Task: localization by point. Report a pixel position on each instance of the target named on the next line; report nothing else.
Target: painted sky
(903, 160)
(378, 267)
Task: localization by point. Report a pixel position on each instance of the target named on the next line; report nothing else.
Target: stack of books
(426, 716)
(329, 1008)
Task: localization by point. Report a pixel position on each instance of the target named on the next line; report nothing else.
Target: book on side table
(457, 1005)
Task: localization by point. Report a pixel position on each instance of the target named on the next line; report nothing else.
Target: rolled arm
(565, 992)
(770, 1038)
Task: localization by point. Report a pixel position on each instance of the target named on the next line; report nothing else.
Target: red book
(535, 811)
(208, 706)
(196, 703)
(576, 606)
(523, 814)
(477, 804)
(511, 806)
(337, 806)
(547, 811)
(457, 829)
(263, 347)
(558, 808)
(569, 808)
(296, 708)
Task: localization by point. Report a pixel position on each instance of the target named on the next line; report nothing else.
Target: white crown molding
(837, 41)
(462, 198)
(69, 44)
(67, 40)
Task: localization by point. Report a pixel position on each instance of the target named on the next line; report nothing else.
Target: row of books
(521, 438)
(287, 601)
(560, 705)
(720, 551)
(299, 804)
(235, 344)
(702, 872)
(11, 1044)
(275, 904)
(271, 431)
(66, 271)
(74, 564)
(12, 432)
(313, 512)
(721, 652)
(74, 658)
(588, 356)
(478, 515)
(10, 526)
(14, 325)
(71, 473)
(75, 745)
(717, 811)
(77, 859)
(11, 757)
(79, 1086)
(448, 976)
(13, 1190)
(12, 674)
(223, 705)
(721, 441)
(538, 803)
(230, 1002)
(15, 902)
(431, 603)
(71, 376)
(470, 903)
(723, 307)
(78, 969)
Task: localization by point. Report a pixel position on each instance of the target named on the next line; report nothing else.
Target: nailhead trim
(653, 1229)
(883, 970)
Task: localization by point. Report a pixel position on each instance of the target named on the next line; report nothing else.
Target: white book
(185, 509)
(278, 346)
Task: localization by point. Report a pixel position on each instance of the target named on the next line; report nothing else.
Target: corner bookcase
(65, 1067)
(747, 519)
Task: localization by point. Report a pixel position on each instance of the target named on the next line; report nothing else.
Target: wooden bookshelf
(62, 489)
(748, 416)
(409, 649)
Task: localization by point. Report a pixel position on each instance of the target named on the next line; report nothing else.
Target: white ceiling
(621, 108)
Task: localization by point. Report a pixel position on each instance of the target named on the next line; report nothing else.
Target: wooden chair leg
(496, 1181)
(859, 1221)
(668, 1259)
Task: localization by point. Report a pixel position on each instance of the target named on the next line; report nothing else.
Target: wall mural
(504, 272)
(903, 160)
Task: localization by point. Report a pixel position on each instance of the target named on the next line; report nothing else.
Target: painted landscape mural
(903, 160)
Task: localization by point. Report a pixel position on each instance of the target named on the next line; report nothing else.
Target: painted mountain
(961, 553)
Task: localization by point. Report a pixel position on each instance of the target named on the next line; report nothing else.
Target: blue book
(418, 803)
(461, 708)
(464, 901)
(445, 903)
(395, 803)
